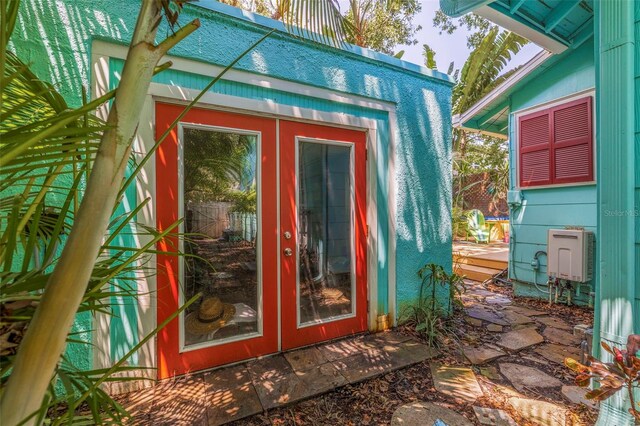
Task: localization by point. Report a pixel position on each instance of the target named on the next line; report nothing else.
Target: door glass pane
(325, 270)
(220, 211)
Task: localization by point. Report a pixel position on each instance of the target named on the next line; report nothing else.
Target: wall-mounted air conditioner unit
(570, 254)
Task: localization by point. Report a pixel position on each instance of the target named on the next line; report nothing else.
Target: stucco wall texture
(55, 38)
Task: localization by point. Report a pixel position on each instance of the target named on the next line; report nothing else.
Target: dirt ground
(373, 402)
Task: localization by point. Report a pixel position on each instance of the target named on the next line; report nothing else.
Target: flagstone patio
(511, 353)
(227, 394)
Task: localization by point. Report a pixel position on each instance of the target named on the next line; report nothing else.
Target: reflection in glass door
(219, 200)
(217, 172)
(325, 227)
(323, 241)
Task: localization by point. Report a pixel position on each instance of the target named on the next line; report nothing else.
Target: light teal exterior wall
(56, 36)
(637, 158)
(556, 207)
(618, 101)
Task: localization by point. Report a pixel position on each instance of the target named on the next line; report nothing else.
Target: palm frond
(319, 20)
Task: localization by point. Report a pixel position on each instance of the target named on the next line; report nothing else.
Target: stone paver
(387, 337)
(359, 367)
(458, 382)
(485, 315)
(515, 318)
(321, 378)
(555, 335)
(427, 413)
(377, 360)
(344, 348)
(269, 367)
(539, 412)
(555, 323)
(490, 372)
(493, 417)
(305, 358)
(473, 321)
(139, 405)
(280, 389)
(413, 352)
(180, 401)
(577, 394)
(230, 395)
(557, 353)
(479, 292)
(523, 377)
(498, 299)
(494, 328)
(482, 354)
(517, 340)
(525, 311)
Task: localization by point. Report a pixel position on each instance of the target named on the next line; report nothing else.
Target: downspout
(614, 20)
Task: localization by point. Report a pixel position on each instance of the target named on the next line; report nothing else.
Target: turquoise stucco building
(334, 141)
(591, 62)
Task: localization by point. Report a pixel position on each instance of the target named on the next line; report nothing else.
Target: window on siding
(556, 144)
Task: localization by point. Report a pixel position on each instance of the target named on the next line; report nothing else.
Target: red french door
(218, 173)
(217, 170)
(323, 233)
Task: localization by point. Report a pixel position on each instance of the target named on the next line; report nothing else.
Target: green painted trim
(457, 8)
(616, 177)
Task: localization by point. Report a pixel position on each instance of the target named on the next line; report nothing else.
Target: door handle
(288, 252)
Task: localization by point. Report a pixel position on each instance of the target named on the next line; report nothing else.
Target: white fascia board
(517, 27)
(506, 85)
(485, 132)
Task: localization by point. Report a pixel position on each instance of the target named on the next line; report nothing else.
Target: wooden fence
(213, 218)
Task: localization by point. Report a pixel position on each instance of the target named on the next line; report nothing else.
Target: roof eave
(508, 22)
(457, 8)
(497, 95)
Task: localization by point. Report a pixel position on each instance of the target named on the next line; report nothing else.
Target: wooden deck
(479, 262)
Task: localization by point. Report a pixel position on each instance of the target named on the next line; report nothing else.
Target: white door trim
(102, 51)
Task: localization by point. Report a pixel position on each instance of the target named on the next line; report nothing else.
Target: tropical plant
(59, 239)
(477, 26)
(475, 153)
(36, 152)
(482, 72)
(35, 222)
(382, 24)
(431, 275)
(429, 57)
(456, 286)
(320, 19)
(219, 164)
(621, 374)
(245, 201)
(427, 316)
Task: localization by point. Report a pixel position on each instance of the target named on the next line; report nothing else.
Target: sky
(447, 47)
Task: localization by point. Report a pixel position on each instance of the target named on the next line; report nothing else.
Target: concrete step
(480, 261)
(476, 273)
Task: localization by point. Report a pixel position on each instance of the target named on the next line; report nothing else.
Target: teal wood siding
(637, 158)
(551, 207)
(617, 79)
(55, 36)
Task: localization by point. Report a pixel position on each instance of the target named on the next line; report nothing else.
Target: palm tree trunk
(45, 339)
